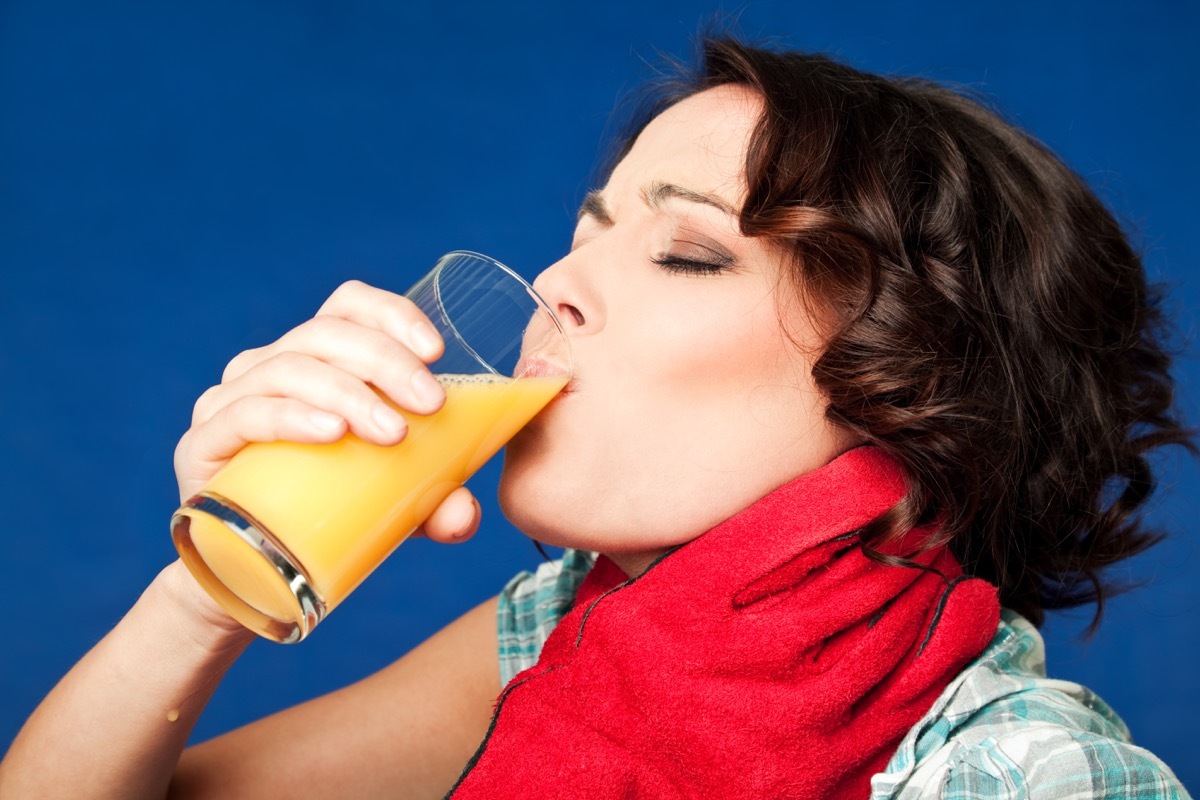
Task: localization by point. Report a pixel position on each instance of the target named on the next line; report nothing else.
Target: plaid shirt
(1001, 730)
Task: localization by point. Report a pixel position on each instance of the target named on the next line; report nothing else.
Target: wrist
(203, 621)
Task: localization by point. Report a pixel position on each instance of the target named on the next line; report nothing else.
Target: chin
(542, 505)
(524, 498)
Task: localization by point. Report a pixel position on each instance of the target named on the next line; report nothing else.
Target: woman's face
(693, 393)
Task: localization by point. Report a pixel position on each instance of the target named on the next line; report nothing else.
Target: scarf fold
(767, 658)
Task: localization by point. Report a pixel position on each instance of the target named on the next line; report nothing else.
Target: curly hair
(992, 326)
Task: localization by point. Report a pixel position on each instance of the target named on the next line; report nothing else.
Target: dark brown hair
(992, 329)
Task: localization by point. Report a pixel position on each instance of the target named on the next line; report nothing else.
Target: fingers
(354, 301)
(349, 368)
(393, 314)
(364, 342)
(330, 375)
(455, 520)
(315, 383)
(205, 448)
(364, 353)
(265, 419)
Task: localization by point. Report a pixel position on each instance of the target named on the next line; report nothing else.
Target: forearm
(117, 723)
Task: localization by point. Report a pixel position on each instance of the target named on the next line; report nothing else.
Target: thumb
(455, 520)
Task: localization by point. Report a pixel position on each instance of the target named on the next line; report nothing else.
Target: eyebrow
(654, 196)
(593, 206)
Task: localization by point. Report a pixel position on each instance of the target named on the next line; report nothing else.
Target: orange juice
(339, 509)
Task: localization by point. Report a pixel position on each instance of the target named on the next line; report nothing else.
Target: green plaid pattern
(532, 604)
(1001, 730)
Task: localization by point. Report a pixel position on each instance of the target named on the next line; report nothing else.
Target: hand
(319, 381)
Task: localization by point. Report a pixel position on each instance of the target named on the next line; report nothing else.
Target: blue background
(180, 181)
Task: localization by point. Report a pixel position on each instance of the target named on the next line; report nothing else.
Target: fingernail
(427, 388)
(386, 420)
(324, 422)
(467, 520)
(426, 340)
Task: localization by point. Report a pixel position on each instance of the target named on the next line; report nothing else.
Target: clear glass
(285, 531)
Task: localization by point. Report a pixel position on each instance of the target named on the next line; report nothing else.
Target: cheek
(694, 407)
(716, 346)
(713, 382)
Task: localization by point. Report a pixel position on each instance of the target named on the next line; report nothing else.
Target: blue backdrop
(180, 181)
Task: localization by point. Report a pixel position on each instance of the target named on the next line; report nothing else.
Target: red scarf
(769, 658)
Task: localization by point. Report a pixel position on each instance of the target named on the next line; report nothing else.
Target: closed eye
(693, 266)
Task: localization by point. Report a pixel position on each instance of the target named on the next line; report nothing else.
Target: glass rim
(538, 300)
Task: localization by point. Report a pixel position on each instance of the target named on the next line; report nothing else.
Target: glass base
(245, 568)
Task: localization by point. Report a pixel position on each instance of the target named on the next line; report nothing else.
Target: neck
(634, 564)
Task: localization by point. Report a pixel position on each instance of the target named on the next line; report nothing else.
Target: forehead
(699, 143)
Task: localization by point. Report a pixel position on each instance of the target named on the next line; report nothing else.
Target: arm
(115, 725)
(107, 730)
(406, 731)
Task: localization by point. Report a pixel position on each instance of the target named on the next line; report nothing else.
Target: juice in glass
(342, 508)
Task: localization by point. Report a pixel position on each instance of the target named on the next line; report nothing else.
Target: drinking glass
(285, 531)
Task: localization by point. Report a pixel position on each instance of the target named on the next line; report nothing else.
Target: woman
(857, 364)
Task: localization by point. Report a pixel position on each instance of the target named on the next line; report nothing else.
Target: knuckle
(394, 363)
(317, 324)
(407, 312)
(203, 407)
(281, 371)
(324, 327)
(238, 364)
(346, 293)
(389, 352)
(238, 416)
(182, 447)
(352, 396)
(283, 366)
(406, 306)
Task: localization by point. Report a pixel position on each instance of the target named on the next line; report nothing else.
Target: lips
(540, 367)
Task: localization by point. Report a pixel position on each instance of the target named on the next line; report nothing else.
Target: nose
(571, 296)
